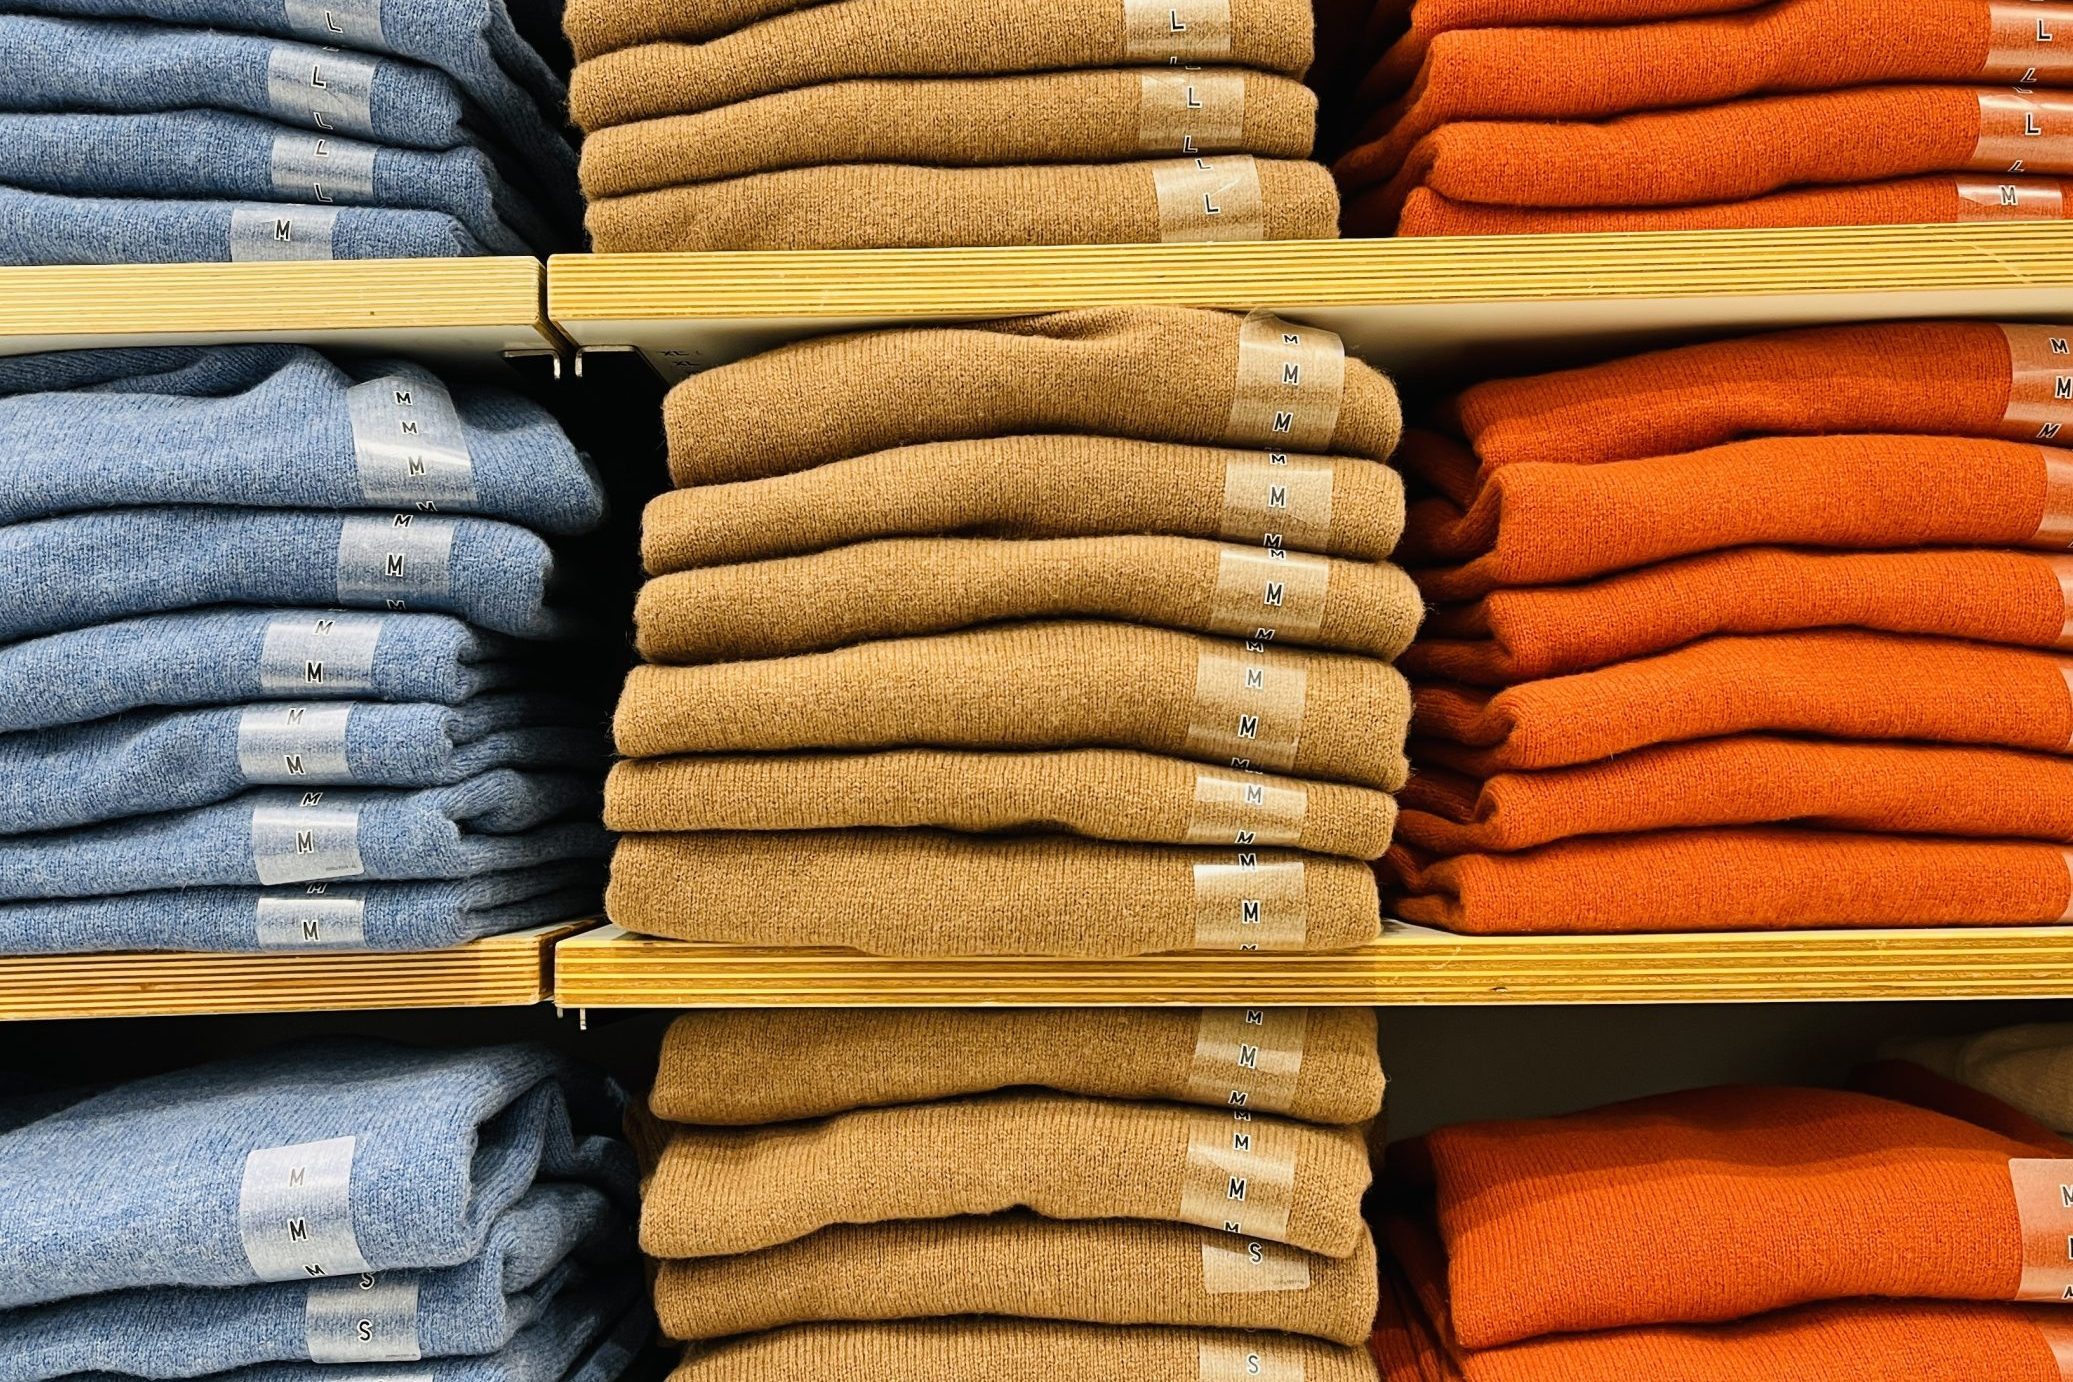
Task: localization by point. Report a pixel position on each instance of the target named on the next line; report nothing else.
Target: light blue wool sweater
(278, 427)
(327, 1158)
(36, 228)
(233, 656)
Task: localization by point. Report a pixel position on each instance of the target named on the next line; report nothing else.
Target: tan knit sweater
(1039, 686)
(1156, 373)
(773, 1065)
(1106, 794)
(902, 587)
(1019, 1265)
(728, 1190)
(1035, 486)
(906, 206)
(845, 39)
(1020, 1351)
(921, 892)
(1050, 117)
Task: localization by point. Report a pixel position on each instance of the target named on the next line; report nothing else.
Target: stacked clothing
(776, 124)
(2027, 1067)
(1119, 1195)
(147, 131)
(337, 1209)
(266, 667)
(1733, 1235)
(1760, 633)
(1488, 117)
(840, 741)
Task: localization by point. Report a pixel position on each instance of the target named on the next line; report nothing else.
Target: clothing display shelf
(451, 312)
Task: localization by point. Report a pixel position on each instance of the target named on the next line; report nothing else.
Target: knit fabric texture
(36, 228)
(2029, 1066)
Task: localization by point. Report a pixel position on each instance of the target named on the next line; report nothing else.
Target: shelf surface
(455, 311)
(610, 968)
(501, 971)
(1494, 303)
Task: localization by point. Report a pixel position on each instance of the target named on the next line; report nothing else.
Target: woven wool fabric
(1105, 794)
(1051, 117)
(2029, 1067)
(1664, 1203)
(901, 205)
(1944, 377)
(922, 892)
(1896, 788)
(1541, 524)
(2020, 598)
(1840, 685)
(902, 587)
(1905, 201)
(732, 1190)
(1016, 1351)
(1030, 487)
(1734, 880)
(845, 39)
(774, 1065)
(1154, 373)
(1025, 1267)
(1034, 686)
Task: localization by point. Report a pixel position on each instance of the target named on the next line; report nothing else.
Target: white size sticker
(326, 89)
(399, 562)
(312, 652)
(306, 839)
(265, 233)
(321, 168)
(295, 1211)
(294, 743)
(409, 444)
(356, 22)
(370, 1317)
(310, 918)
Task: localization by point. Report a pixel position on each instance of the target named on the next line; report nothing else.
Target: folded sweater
(1173, 374)
(923, 892)
(1035, 487)
(730, 1190)
(1104, 794)
(39, 228)
(898, 588)
(2028, 1066)
(1317, 1064)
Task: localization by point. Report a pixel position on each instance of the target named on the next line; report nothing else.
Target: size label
(1264, 593)
(1253, 1268)
(295, 1211)
(2058, 1337)
(321, 168)
(1248, 711)
(1203, 199)
(1247, 809)
(366, 1318)
(1240, 1176)
(2040, 383)
(2062, 572)
(272, 233)
(2024, 132)
(327, 89)
(353, 22)
(400, 562)
(1251, 904)
(2055, 523)
(1249, 1058)
(310, 919)
(1278, 500)
(409, 444)
(1249, 1361)
(1176, 31)
(2010, 199)
(2043, 1191)
(1186, 112)
(1290, 382)
(294, 743)
(305, 839)
(334, 652)
(2028, 41)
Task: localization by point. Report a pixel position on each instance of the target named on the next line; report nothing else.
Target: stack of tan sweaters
(1104, 1195)
(864, 123)
(1068, 635)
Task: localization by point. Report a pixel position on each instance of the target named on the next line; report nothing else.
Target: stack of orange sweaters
(1484, 117)
(1754, 634)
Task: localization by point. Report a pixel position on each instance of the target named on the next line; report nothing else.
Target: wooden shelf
(1496, 303)
(609, 968)
(501, 971)
(455, 311)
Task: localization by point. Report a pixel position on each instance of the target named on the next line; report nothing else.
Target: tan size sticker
(1290, 382)
(1240, 1175)
(2058, 1337)
(1253, 1268)
(1209, 199)
(1248, 709)
(2044, 1208)
(1254, 1360)
(1190, 112)
(2040, 383)
(1265, 593)
(1249, 1057)
(1177, 30)
(2024, 132)
(2067, 856)
(2055, 524)
(1251, 904)
(1248, 809)
(1278, 500)
(2028, 41)
(2011, 199)
(2062, 571)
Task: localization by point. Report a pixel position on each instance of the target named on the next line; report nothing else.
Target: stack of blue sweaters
(274, 656)
(343, 1211)
(144, 131)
